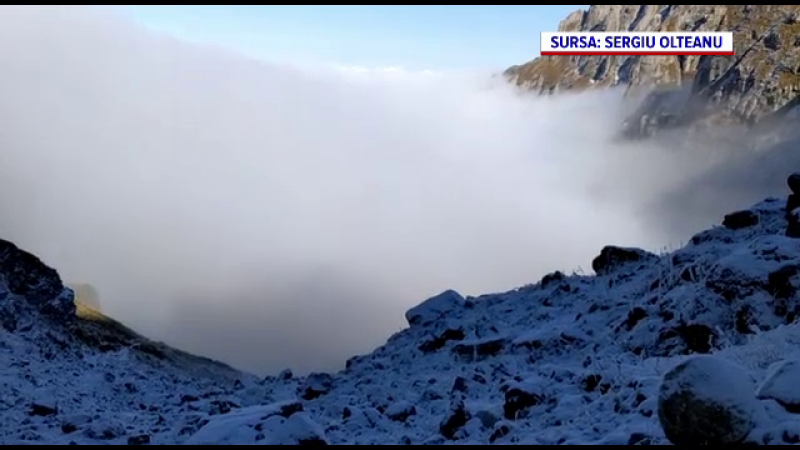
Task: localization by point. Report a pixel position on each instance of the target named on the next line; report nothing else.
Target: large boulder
(435, 308)
(707, 400)
(612, 258)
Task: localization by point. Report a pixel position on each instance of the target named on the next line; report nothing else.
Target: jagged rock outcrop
(29, 288)
(760, 81)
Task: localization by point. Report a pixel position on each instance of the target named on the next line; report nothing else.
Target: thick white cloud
(275, 217)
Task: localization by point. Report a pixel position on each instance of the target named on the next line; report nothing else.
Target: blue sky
(414, 37)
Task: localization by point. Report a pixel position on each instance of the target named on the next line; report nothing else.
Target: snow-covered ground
(571, 359)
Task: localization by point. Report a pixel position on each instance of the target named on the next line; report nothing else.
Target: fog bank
(271, 216)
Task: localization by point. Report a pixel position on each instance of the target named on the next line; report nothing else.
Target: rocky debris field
(699, 345)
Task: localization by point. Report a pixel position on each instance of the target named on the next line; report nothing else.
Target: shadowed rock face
(762, 77)
(25, 278)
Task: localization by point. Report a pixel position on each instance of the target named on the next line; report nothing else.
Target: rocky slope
(608, 358)
(762, 79)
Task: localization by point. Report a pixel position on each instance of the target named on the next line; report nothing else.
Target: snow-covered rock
(435, 308)
(612, 258)
(277, 424)
(782, 384)
(400, 411)
(707, 400)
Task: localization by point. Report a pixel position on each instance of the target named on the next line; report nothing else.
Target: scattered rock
(264, 425)
(591, 382)
(456, 418)
(286, 375)
(142, 439)
(520, 396)
(189, 398)
(552, 278)
(706, 400)
(781, 385)
(105, 430)
(459, 385)
(772, 41)
(791, 436)
(500, 432)
(316, 385)
(634, 316)
(441, 339)
(487, 418)
(697, 337)
(639, 439)
(221, 407)
(400, 411)
(72, 423)
(477, 350)
(740, 219)
(779, 281)
(612, 258)
(42, 410)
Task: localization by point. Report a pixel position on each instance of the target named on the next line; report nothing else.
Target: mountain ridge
(760, 81)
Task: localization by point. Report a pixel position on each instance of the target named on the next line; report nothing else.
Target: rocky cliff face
(29, 289)
(761, 80)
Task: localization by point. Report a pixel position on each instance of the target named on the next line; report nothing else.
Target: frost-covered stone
(400, 411)
(782, 384)
(612, 258)
(456, 417)
(277, 424)
(522, 395)
(707, 400)
(316, 384)
(435, 308)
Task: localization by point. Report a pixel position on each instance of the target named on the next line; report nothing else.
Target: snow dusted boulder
(316, 385)
(456, 417)
(435, 308)
(707, 400)
(781, 385)
(400, 411)
(522, 395)
(276, 424)
(740, 219)
(612, 258)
